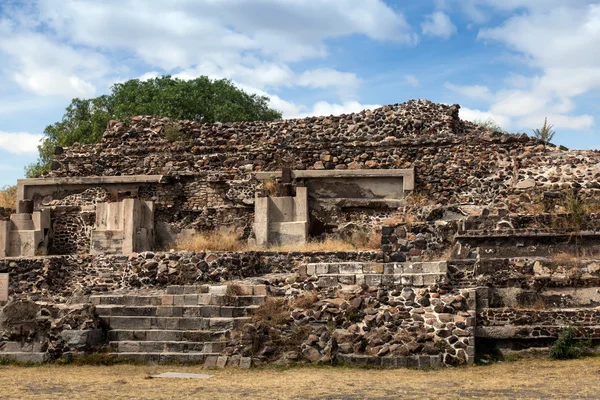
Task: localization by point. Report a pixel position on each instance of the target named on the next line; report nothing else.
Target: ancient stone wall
(454, 161)
(59, 277)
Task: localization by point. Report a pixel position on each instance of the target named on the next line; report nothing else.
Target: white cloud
(559, 121)
(438, 24)
(72, 49)
(326, 77)
(411, 80)
(185, 33)
(44, 67)
(20, 142)
(473, 91)
(558, 38)
(478, 115)
(325, 108)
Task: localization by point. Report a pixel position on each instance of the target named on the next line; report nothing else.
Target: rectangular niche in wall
(354, 188)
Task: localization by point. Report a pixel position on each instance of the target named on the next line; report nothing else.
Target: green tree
(200, 99)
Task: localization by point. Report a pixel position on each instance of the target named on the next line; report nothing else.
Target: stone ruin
(488, 241)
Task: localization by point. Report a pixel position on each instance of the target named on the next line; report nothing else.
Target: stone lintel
(408, 174)
(24, 184)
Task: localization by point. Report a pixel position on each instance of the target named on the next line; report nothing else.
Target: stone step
(235, 289)
(417, 362)
(353, 268)
(18, 347)
(415, 280)
(167, 347)
(25, 357)
(176, 323)
(206, 311)
(166, 335)
(177, 300)
(155, 358)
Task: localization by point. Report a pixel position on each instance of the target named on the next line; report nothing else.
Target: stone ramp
(189, 324)
(413, 274)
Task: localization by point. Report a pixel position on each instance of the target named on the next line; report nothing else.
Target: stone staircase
(186, 324)
(22, 352)
(415, 274)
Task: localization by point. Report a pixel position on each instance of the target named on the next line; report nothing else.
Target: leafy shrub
(567, 347)
(173, 132)
(489, 123)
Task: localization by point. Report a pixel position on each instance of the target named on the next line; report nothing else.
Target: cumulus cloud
(567, 68)
(477, 115)
(412, 80)
(73, 49)
(19, 142)
(473, 91)
(325, 108)
(438, 24)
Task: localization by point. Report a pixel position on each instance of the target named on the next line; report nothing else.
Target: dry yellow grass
(212, 241)
(526, 379)
(8, 197)
(401, 219)
(217, 241)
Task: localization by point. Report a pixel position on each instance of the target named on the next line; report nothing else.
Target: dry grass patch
(306, 300)
(407, 219)
(211, 241)
(550, 379)
(272, 312)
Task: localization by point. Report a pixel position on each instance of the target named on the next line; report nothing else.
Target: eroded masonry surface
(462, 240)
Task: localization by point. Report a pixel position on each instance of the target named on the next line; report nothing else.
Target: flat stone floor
(525, 379)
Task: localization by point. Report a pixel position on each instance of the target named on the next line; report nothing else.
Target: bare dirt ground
(526, 379)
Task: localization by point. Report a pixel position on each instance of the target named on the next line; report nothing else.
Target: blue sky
(516, 61)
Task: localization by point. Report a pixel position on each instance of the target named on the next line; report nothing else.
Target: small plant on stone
(489, 123)
(272, 186)
(273, 312)
(173, 132)
(545, 133)
(231, 293)
(576, 208)
(567, 347)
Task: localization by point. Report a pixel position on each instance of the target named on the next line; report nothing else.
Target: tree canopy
(200, 99)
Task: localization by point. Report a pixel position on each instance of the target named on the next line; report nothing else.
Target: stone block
(190, 299)
(167, 300)
(245, 362)
(260, 290)
(435, 361)
(322, 269)
(373, 280)
(412, 362)
(327, 281)
(233, 361)
(359, 279)
(402, 362)
(302, 270)
(222, 361)
(311, 269)
(424, 362)
(211, 362)
(350, 268)
(204, 298)
(347, 279)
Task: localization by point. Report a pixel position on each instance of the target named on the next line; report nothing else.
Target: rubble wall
(455, 161)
